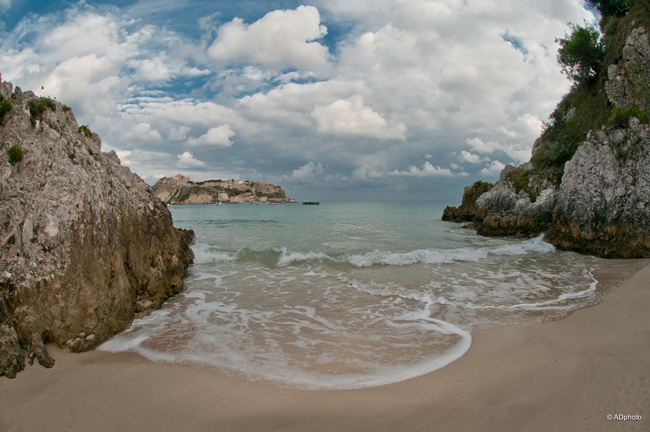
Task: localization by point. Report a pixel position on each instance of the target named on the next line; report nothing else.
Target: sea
(349, 295)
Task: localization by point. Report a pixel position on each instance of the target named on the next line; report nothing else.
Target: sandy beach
(563, 375)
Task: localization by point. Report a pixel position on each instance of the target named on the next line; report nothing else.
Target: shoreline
(560, 375)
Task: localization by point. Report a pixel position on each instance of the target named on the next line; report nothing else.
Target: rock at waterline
(85, 244)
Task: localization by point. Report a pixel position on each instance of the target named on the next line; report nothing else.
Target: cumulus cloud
(519, 152)
(306, 173)
(280, 39)
(162, 68)
(187, 160)
(352, 117)
(143, 132)
(493, 169)
(428, 170)
(216, 137)
(179, 133)
(469, 157)
(464, 82)
(526, 127)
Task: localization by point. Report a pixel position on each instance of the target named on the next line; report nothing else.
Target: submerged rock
(85, 244)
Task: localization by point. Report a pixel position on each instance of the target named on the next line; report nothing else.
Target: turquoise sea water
(348, 295)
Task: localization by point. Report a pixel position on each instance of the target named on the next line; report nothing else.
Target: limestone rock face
(629, 79)
(510, 213)
(468, 211)
(602, 207)
(84, 242)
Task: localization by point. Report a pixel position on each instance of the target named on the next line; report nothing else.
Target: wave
(284, 257)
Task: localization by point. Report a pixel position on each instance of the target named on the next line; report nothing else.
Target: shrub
(38, 106)
(5, 107)
(270, 195)
(65, 108)
(86, 131)
(233, 192)
(621, 118)
(15, 154)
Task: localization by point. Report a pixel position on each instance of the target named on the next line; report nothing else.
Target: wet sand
(563, 375)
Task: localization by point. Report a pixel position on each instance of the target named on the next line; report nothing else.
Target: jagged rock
(84, 242)
(629, 79)
(603, 201)
(468, 211)
(601, 204)
(525, 213)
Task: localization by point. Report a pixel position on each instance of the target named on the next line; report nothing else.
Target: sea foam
(332, 304)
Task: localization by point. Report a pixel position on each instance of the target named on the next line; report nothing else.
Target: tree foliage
(608, 8)
(581, 53)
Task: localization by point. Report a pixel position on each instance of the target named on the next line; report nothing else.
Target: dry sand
(559, 376)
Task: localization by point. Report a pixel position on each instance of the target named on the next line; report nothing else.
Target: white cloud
(519, 152)
(187, 160)
(280, 39)
(483, 147)
(151, 70)
(352, 117)
(367, 172)
(178, 134)
(469, 157)
(443, 70)
(306, 173)
(427, 170)
(88, 83)
(493, 169)
(526, 127)
(216, 137)
(143, 132)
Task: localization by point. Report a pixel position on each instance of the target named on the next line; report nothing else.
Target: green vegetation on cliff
(587, 184)
(5, 107)
(585, 58)
(38, 106)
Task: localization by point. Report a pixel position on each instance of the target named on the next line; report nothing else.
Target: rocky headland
(85, 244)
(181, 190)
(587, 185)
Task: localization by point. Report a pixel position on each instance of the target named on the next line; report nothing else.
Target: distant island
(181, 190)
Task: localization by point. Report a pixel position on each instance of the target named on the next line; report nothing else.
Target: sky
(334, 100)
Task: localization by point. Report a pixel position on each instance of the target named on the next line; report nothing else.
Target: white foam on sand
(305, 323)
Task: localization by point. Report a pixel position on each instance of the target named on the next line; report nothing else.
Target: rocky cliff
(85, 244)
(593, 195)
(181, 190)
